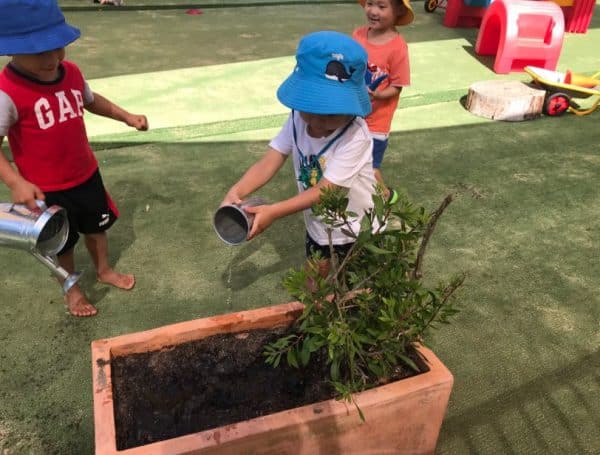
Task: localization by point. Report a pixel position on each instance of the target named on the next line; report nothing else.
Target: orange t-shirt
(390, 58)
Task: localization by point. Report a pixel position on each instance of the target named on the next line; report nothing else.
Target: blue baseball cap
(329, 77)
(33, 26)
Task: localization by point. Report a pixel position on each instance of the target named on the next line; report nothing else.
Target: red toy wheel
(556, 104)
(430, 5)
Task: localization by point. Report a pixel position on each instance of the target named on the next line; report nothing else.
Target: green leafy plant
(371, 308)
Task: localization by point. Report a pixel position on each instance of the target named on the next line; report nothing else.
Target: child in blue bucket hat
(326, 136)
(42, 101)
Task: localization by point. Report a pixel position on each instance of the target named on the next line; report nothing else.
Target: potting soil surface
(205, 384)
(208, 383)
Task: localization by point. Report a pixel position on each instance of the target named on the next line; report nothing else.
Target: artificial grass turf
(524, 350)
(526, 232)
(525, 229)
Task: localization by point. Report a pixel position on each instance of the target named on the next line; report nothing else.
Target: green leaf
(305, 352)
(376, 249)
(365, 224)
(334, 370)
(375, 368)
(408, 361)
(360, 413)
(291, 359)
(348, 233)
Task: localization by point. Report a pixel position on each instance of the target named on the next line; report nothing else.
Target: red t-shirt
(49, 142)
(390, 58)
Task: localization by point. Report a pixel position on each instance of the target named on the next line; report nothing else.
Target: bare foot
(116, 279)
(77, 304)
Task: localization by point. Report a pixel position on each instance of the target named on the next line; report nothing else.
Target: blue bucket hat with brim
(329, 77)
(33, 26)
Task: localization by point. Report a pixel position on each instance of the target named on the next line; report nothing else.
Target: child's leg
(75, 300)
(97, 214)
(97, 245)
(379, 177)
(379, 147)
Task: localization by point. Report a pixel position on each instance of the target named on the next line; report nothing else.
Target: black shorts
(312, 247)
(90, 209)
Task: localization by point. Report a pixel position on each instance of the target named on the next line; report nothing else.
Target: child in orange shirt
(388, 70)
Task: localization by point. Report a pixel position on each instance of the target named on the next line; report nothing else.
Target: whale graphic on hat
(337, 71)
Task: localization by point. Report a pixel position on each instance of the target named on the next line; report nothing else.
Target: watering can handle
(41, 205)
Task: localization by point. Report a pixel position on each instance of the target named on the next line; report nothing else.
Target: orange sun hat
(405, 18)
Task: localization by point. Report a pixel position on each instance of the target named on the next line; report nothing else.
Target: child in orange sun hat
(388, 70)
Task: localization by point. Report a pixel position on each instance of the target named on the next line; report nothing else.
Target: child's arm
(398, 72)
(265, 215)
(22, 191)
(106, 108)
(255, 177)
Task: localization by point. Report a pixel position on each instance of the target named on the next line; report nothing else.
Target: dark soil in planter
(205, 384)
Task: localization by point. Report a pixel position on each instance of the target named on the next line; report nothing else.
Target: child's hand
(263, 218)
(139, 122)
(374, 84)
(231, 198)
(373, 95)
(25, 192)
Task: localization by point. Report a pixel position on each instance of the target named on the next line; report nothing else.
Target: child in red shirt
(42, 100)
(388, 70)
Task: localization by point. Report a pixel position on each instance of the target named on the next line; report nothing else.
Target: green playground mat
(525, 226)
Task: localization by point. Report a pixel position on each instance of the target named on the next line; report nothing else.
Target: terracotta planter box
(401, 417)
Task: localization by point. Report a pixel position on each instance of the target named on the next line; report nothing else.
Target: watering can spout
(68, 279)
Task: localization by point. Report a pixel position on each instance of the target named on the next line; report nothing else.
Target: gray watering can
(42, 233)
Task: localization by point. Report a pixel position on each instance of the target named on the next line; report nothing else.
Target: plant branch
(418, 270)
(446, 294)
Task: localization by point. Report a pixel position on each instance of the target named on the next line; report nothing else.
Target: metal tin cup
(231, 222)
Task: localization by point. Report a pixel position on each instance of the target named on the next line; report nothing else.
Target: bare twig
(418, 272)
(446, 294)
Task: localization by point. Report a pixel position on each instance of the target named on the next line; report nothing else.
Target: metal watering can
(43, 233)
(231, 222)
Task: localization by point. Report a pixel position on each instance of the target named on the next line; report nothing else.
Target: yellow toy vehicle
(562, 87)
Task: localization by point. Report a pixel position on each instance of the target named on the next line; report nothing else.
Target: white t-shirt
(348, 163)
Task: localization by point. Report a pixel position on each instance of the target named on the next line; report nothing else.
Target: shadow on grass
(498, 413)
(485, 60)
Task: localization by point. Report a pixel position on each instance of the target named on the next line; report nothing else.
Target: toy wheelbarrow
(562, 87)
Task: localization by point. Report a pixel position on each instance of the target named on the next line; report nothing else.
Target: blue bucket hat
(33, 26)
(329, 77)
